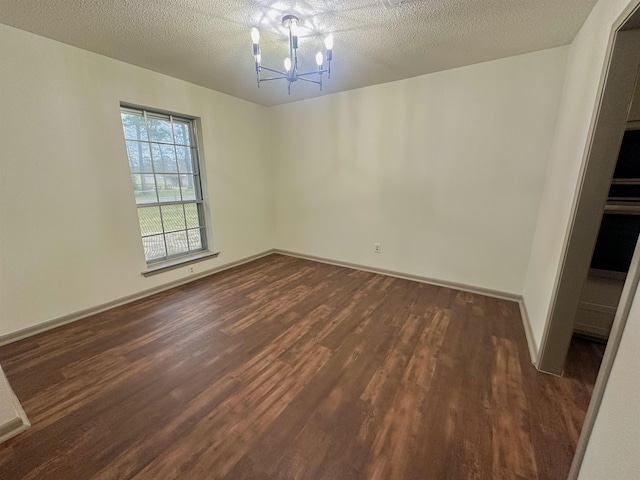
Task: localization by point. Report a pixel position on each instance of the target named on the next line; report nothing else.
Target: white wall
(444, 170)
(614, 444)
(69, 235)
(583, 80)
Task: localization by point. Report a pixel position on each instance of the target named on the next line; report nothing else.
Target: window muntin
(163, 158)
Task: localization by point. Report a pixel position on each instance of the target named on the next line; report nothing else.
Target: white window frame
(172, 260)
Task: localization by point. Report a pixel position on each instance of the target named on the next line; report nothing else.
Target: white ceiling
(207, 42)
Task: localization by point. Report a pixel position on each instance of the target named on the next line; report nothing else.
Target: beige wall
(444, 170)
(69, 236)
(583, 78)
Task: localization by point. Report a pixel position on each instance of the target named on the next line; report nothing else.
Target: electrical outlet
(377, 248)
(191, 269)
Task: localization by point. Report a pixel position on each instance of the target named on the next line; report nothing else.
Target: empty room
(375, 239)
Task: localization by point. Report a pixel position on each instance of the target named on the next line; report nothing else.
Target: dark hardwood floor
(284, 369)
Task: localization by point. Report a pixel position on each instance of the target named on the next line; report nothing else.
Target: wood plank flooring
(289, 369)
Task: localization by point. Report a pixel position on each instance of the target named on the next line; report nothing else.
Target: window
(163, 157)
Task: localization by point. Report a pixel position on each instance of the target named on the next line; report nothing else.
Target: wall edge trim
(528, 332)
(20, 422)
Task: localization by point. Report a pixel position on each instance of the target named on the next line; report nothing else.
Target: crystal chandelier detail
(290, 73)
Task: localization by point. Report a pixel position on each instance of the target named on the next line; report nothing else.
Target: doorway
(606, 139)
(617, 238)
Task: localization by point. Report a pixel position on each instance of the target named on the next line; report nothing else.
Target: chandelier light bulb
(255, 35)
(294, 28)
(328, 42)
(287, 64)
(319, 58)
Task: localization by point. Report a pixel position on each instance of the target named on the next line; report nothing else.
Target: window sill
(178, 263)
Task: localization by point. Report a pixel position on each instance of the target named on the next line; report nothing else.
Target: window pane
(149, 218)
(145, 188)
(195, 239)
(160, 130)
(139, 156)
(188, 184)
(191, 212)
(154, 247)
(176, 242)
(168, 188)
(185, 161)
(182, 132)
(164, 158)
(173, 218)
(134, 126)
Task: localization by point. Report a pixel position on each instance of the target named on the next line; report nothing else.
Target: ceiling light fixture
(291, 74)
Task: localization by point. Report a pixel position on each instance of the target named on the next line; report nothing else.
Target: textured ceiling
(207, 42)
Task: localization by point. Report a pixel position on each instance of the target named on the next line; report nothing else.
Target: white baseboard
(531, 343)
(79, 315)
(73, 317)
(407, 276)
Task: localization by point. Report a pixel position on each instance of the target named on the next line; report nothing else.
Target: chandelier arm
(309, 80)
(273, 70)
(315, 72)
(273, 78)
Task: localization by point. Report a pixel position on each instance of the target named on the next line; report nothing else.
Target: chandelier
(291, 74)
